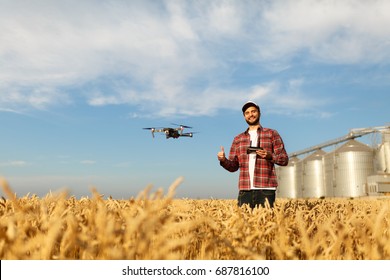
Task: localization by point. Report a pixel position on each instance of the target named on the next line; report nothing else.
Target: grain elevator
(353, 169)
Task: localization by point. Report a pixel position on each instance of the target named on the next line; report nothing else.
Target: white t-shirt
(252, 156)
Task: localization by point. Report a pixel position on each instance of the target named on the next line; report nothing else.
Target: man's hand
(264, 154)
(221, 154)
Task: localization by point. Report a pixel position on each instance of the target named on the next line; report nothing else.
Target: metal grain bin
(353, 163)
(328, 162)
(383, 155)
(289, 185)
(313, 175)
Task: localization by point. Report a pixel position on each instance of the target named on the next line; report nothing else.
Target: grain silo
(313, 175)
(328, 162)
(383, 155)
(353, 163)
(352, 170)
(289, 184)
(379, 184)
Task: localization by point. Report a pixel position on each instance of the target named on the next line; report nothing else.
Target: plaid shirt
(264, 174)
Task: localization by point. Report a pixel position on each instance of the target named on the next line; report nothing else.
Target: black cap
(250, 104)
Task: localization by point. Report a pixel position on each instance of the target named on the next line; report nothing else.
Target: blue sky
(80, 79)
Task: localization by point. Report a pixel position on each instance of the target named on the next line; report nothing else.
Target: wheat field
(157, 226)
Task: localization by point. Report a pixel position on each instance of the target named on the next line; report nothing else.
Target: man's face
(252, 115)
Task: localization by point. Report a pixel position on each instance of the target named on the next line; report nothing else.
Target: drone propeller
(181, 125)
(152, 129)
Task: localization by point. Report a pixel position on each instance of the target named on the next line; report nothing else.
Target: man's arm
(230, 164)
(280, 156)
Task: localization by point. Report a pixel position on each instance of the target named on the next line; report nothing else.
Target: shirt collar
(258, 130)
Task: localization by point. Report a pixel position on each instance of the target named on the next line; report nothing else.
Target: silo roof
(317, 155)
(353, 146)
(293, 160)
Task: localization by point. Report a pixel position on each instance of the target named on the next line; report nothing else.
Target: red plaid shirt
(264, 174)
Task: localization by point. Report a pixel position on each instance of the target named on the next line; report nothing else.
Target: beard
(254, 122)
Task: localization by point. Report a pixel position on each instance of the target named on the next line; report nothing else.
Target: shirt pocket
(266, 143)
(242, 146)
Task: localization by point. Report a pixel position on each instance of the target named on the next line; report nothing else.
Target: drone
(172, 132)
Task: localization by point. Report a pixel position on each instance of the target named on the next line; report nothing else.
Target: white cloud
(88, 162)
(225, 18)
(39, 98)
(174, 56)
(14, 163)
(333, 31)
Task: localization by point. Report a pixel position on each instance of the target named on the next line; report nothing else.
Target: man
(257, 181)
